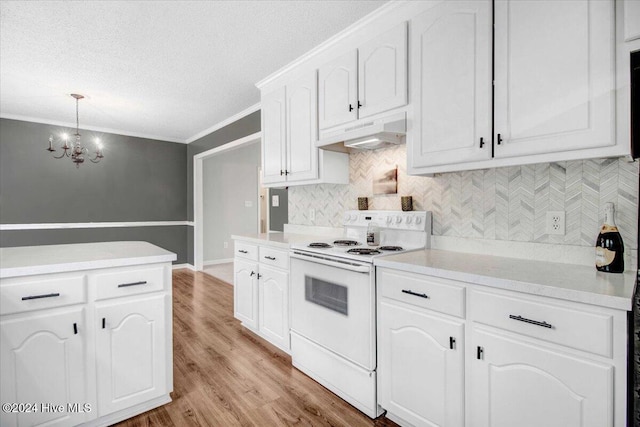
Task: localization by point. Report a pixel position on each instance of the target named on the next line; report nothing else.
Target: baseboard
(180, 266)
(217, 261)
(127, 413)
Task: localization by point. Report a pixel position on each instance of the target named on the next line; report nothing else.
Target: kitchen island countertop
(571, 282)
(32, 260)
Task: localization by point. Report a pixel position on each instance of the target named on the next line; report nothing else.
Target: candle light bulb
(65, 137)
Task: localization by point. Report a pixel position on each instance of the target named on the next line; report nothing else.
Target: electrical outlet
(312, 214)
(226, 245)
(555, 222)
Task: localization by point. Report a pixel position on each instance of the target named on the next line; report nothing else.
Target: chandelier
(76, 151)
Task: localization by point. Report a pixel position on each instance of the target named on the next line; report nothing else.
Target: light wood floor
(226, 376)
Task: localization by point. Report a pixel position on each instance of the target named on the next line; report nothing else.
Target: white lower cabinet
(261, 291)
(506, 359)
(42, 360)
(130, 352)
(90, 347)
(420, 366)
(519, 383)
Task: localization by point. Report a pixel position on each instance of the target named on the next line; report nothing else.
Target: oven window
(327, 294)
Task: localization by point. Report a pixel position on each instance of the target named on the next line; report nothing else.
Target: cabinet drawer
(445, 296)
(38, 294)
(129, 281)
(246, 250)
(582, 330)
(274, 257)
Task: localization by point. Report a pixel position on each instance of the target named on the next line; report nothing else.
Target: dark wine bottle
(609, 245)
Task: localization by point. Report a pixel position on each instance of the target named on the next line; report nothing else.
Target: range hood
(370, 134)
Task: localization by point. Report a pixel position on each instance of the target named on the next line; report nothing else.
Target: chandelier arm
(64, 153)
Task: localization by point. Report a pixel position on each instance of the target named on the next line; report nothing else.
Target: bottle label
(606, 228)
(604, 256)
(370, 238)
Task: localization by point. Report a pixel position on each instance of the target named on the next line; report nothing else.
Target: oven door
(333, 304)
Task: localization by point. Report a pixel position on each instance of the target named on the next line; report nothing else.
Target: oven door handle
(345, 265)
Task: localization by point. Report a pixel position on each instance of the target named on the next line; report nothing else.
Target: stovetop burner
(345, 243)
(363, 251)
(390, 248)
(320, 245)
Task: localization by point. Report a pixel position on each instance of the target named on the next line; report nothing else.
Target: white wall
(229, 180)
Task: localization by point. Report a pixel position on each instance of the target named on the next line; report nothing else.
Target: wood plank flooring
(227, 376)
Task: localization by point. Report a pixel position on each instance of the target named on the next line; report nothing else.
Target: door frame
(198, 195)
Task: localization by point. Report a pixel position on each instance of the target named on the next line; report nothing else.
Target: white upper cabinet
(382, 73)
(273, 136)
(338, 91)
(631, 20)
(451, 84)
(302, 129)
(554, 76)
(365, 81)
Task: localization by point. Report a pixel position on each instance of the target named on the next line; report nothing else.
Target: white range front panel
(333, 305)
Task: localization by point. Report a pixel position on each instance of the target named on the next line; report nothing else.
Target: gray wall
(138, 180)
(278, 217)
(229, 179)
(245, 126)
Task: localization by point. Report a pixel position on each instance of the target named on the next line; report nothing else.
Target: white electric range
(333, 301)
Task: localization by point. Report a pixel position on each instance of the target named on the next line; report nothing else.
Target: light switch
(248, 203)
(275, 200)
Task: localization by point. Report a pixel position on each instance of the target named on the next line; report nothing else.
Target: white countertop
(31, 260)
(564, 281)
(278, 240)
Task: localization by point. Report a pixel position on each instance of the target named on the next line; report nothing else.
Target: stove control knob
(354, 217)
(409, 219)
(418, 220)
(398, 219)
(346, 217)
(389, 220)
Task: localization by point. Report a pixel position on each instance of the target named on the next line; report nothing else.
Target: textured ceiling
(161, 69)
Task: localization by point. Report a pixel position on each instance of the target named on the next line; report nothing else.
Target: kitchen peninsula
(69, 315)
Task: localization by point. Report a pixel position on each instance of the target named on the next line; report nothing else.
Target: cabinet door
(338, 91)
(43, 360)
(382, 72)
(554, 76)
(302, 129)
(420, 377)
(130, 352)
(274, 305)
(451, 84)
(519, 384)
(245, 292)
(273, 136)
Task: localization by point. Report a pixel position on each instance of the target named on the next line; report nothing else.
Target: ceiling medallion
(76, 151)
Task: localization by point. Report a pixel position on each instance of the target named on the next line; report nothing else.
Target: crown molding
(92, 128)
(356, 26)
(225, 122)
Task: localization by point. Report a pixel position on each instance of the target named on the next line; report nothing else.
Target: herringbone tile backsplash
(505, 203)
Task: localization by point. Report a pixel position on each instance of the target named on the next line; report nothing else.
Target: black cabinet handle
(242, 251)
(359, 105)
(259, 275)
(533, 322)
(124, 285)
(452, 342)
(481, 142)
(350, 107)
(281, 172)
(286, 172)
(75, 328)
(252, 273)
(104, 322)
(417, 294)
(499, 139)
(272, 258)
(40, 296)
(480, 353)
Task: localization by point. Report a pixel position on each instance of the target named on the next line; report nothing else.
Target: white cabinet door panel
(420, 377)
(451, 84)
(554, 80)
(273, 107)
(274, 305)
(382, 72)
(130, 352)
(302, 129)
(245, 292)
(516, 383)
(338, 91)
(42, 360)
